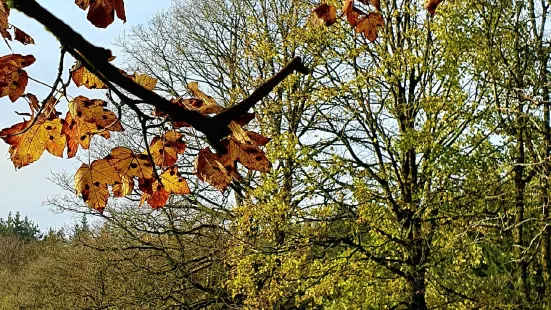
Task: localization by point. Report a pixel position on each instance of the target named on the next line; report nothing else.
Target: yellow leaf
(165, 149)
(145, 81)
(28, 141)
(91, 182)
(129, 164)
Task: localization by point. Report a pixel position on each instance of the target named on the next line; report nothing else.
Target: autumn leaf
(86, 118)
(171, 183)
(4, 14)
(13, 79)
(352, 14)
(219, 170)
(375, 3)
(209, 168)
(209, 105)
(146, 185)
(165, 149)
(243, 149)
(238, 132)
(257, 138)
(431, 6)
(370, 24)
(129, 164)
(83, 77)
(123, 188)
(29, 139)
(101, 13)
(33, 102)
(145, 81)
(244, 119)
(22, 37)
(91, 182)
(248, 154)
(48, 111)
(324, 14)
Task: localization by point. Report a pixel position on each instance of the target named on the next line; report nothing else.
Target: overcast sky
(24, 190)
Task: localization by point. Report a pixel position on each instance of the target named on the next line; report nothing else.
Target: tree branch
(96, 60)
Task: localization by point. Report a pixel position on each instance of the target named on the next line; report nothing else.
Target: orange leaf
(219, 170)
(87, 118)
(129, 164)
(171, 183)
(324, 14)
(13, 79)
(101, 13)
(243, 149)
(22, 37)
(91, 182)
(352, 14)
(370, 24)
(28, 141)
(165, 149)
(431, 6)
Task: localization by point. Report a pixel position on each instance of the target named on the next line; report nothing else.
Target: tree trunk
(418, 287)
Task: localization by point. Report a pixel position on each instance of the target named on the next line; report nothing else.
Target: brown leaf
(4, 14)
(375, 3)
(249, 155)
(22, 37)
(431, 6)
(244, 119)
(352, 14)
(324, 14)
(48, 111)
(13, 79)
(257, 138)
(35, 105)
(210, 169)
(193, 104)
(101, 13)
(370, 24)
(146, 185)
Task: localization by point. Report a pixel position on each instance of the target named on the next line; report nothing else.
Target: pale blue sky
(24, 190)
